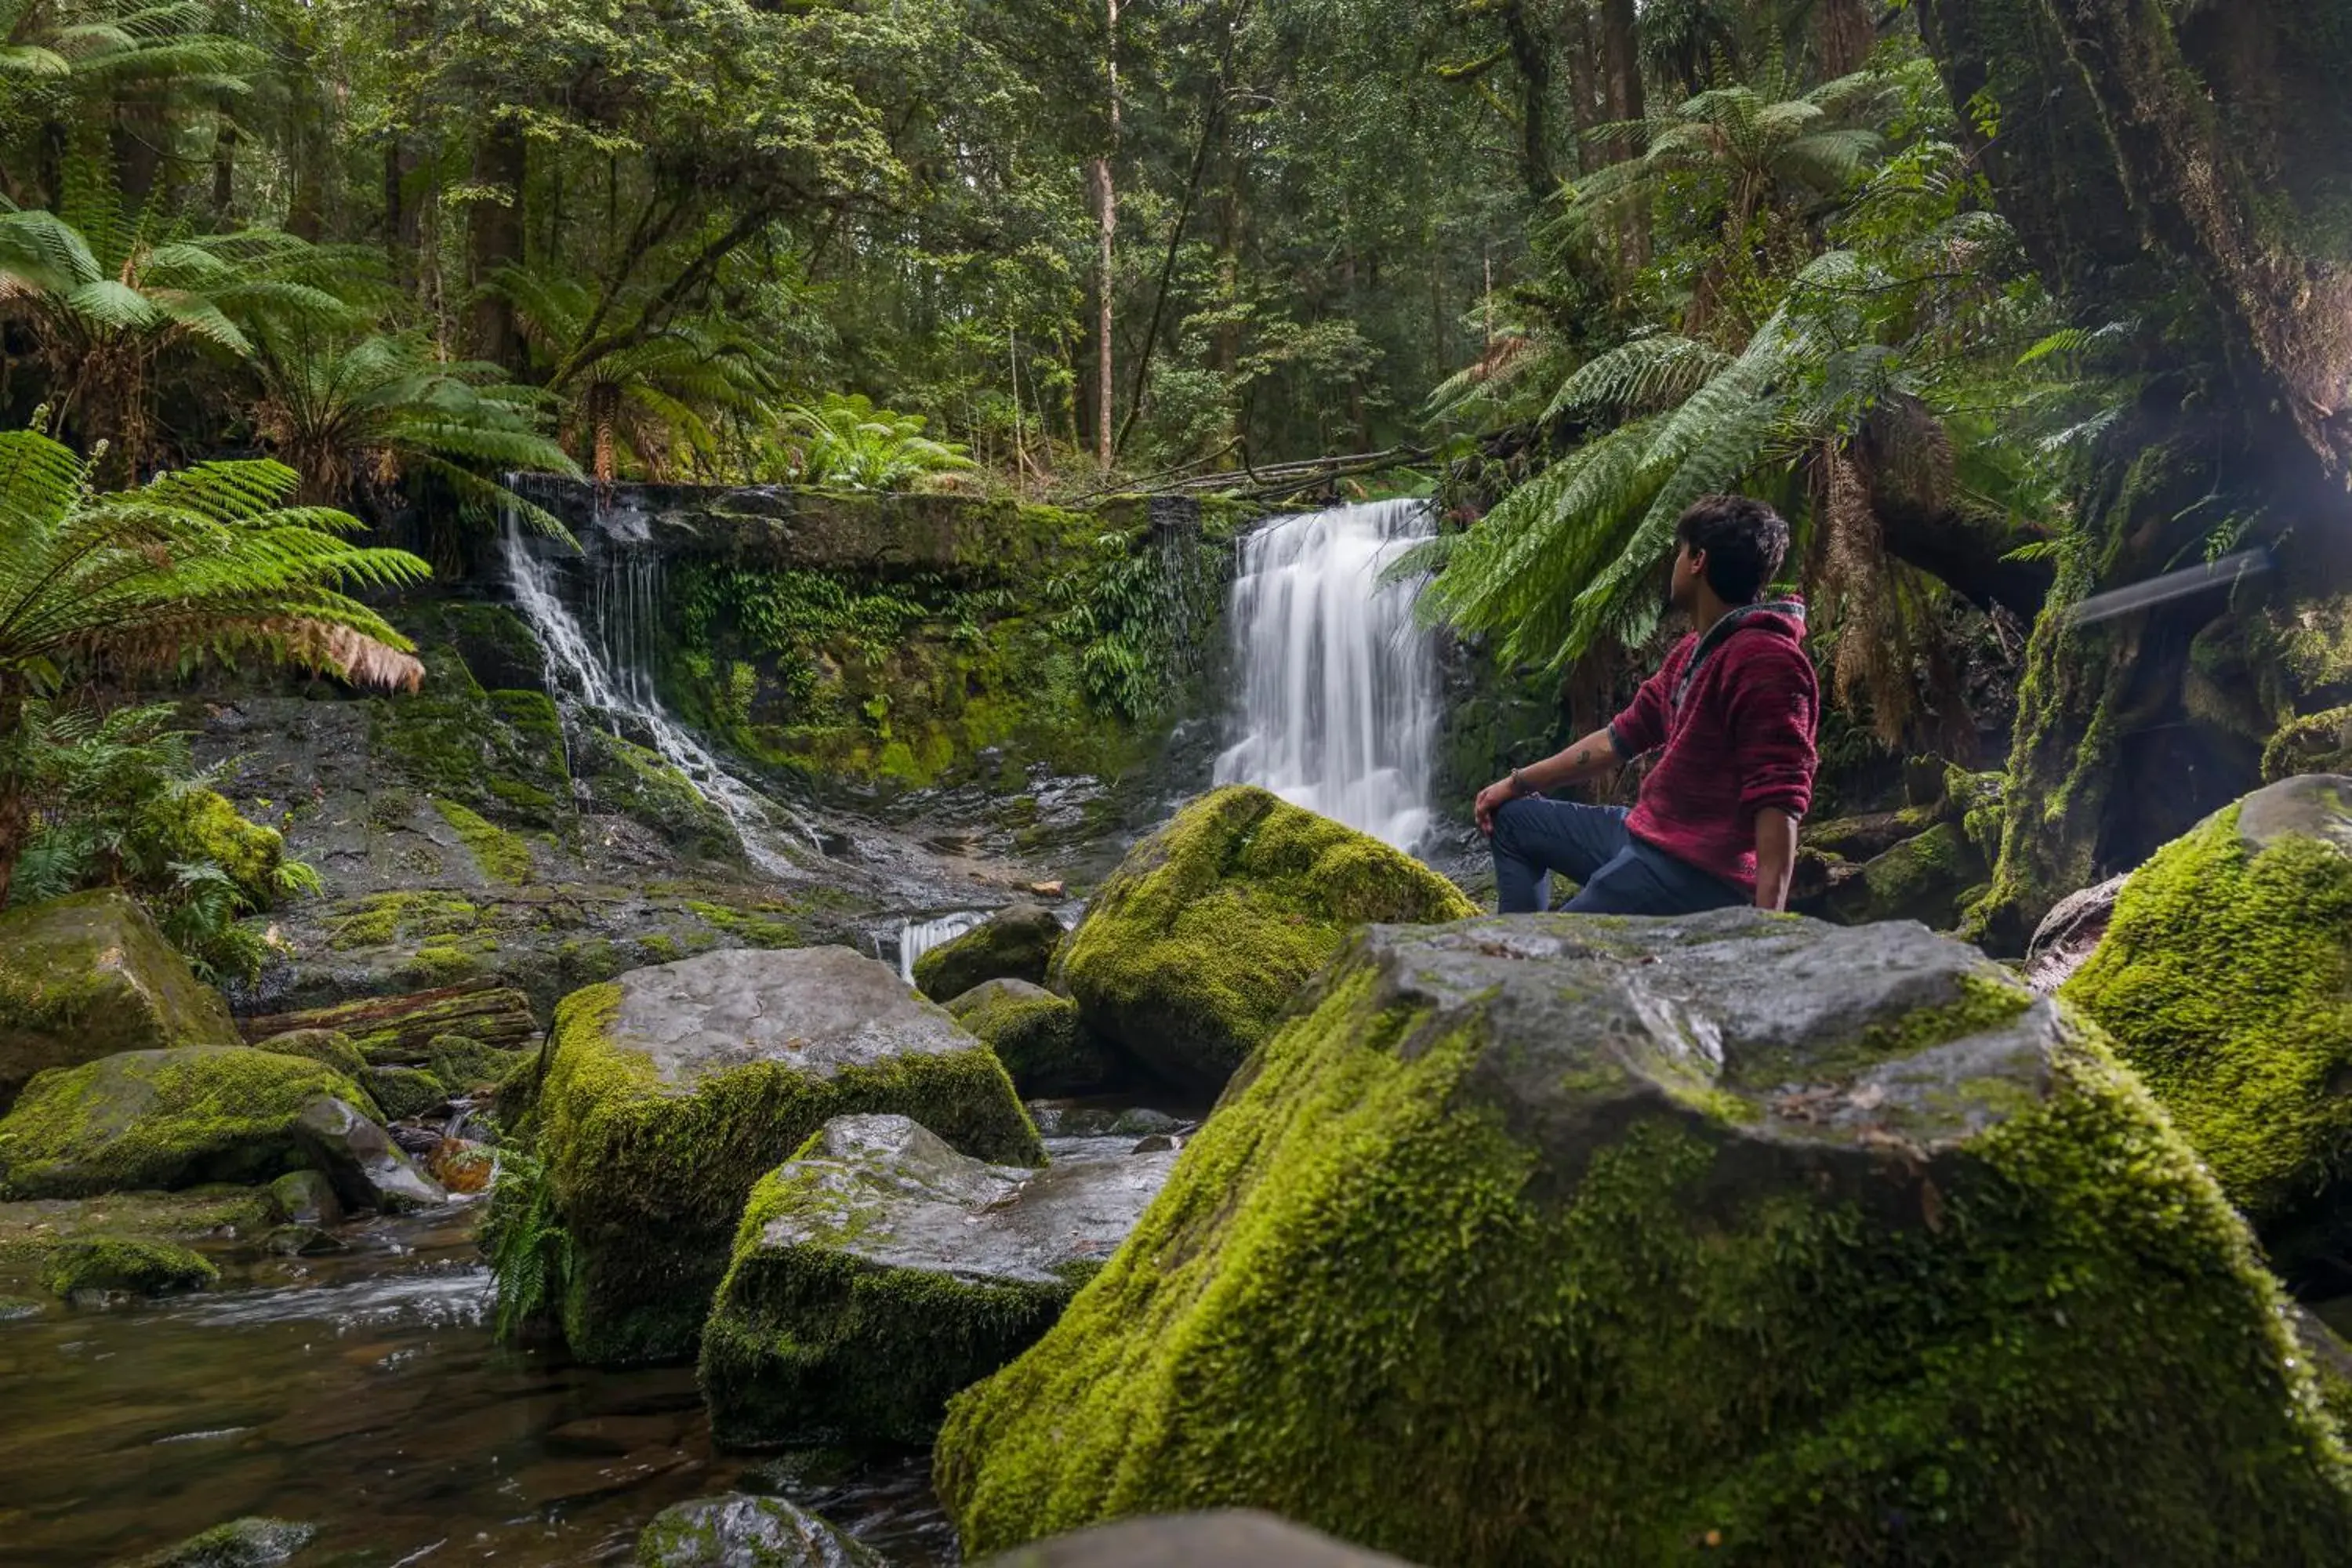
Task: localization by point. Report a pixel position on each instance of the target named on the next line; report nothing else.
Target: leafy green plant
(847, 442)
(206, 561)
(1130, 612)
(122, 803)
(532, 1254)
(340, 405)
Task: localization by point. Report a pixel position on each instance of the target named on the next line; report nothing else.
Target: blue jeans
(1617, 873)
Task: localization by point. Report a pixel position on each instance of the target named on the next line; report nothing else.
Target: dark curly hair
(1743, 539)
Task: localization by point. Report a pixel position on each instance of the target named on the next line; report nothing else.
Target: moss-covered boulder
(737, 1529)
(1564, 1240)
(2225, 977)
(89, 975)
(239, 1544)
(1038, 1036)
(1923, 877)
(669, 1092)
(198, 1114)
(162, 1119)
(1200, 940)
(878, 1271)
(108, 1263)
(1016, 943)
(402, 1092)
(465, 1065)
(332, 1048)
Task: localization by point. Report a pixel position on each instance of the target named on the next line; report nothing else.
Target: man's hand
(1491, 799)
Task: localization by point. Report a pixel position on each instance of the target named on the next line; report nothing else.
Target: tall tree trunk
(1107, 226)
(1620, 54)
(1531, 52)
(1843, 34)
(224, 165)
(494, 237)
(2166, 174)
(1585, 97)
(403, 212)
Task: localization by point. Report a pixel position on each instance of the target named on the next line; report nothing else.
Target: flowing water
(1339, 696)
(361, 1392)
(605, 679)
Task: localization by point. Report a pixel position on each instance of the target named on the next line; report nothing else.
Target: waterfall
(609, 677)
(917, 938)
(1338, 701)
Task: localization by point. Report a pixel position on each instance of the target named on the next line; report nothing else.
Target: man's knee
(1515, 818)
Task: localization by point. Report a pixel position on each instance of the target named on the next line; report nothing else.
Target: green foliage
(122, 803)
(530, 1252)
(1131, 611)
(847, 443)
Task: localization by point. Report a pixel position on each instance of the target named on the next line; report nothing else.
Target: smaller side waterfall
(1338, 701)
(583, 674)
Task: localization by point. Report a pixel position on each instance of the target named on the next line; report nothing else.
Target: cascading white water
(576, 661)
(1338, 686)
(917, 938)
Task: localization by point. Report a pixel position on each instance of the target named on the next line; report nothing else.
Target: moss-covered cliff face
(1554, 1240)
(893, 642)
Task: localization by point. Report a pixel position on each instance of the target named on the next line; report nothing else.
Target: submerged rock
(1231, 1536)
(240, 1544)
(306, 1197)
(1200, 940)
(87, 975)
(878, 1271)
(1805, 1242)
(162, 1118)
(1037, 1035)
(1016, 943)
(738, 1531)
(124, 1263)
(669, 1092)
(2225, 977)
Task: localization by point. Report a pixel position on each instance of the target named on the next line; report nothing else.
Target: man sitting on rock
(1732, 711)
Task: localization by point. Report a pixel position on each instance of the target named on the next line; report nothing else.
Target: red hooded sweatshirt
(1735, 712)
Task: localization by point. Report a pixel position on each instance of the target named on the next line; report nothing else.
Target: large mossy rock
(878, 1271)
(1564, 1240)
(1016, 943)
(1038, 1036)
(1197, 944)
(670, 1090)
(1229, 1536)
(87, 975)
(162, 1120)
(2225, 977)
(735, 1530)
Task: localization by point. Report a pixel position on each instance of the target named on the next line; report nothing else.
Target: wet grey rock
(1016, 943)
(15, 1307)
(2070, 933)
(240, 1544)
(306, 1197)
(1139, 1121)
(1230, 1536)
(883, 1271)
(740, 1530)
(367, 1168)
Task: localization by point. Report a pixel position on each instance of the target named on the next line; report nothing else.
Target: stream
(362, 1391)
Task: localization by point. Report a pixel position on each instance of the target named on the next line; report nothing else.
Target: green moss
(382, 918)
(1368, 1302)
(161, 1119)
(811, 1344)
(203, 826)
(239, 1544)
(32, 1230)
(1014, 944)
(764, 927)
(1199, 943)
(439, 964)
(2226, 980)
(2316, 743)
(403, 1092)
(462, 1062)
(490, 752)
(1040, 1039)
(503, 857)
(124, 1263)
(650, 1179)
(331, 1047)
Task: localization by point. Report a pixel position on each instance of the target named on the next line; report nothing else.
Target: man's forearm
(1593, 756)
(1776, 858)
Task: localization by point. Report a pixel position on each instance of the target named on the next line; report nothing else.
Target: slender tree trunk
(1531, 52)
(1584, 98)
(1107, 226)
(1622, 71)
(494, 235)
(224, 166)
(1843, 34)
(403, 212)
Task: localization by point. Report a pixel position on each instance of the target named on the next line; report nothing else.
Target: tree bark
(1584, 98)
(494, 236)
(1531, 53)
(1107, 222)
(2165, 175)
(1843, 34)
(1621, 70)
